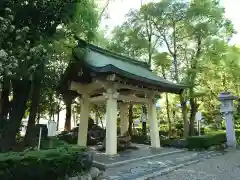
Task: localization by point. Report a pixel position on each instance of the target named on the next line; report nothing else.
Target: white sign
(52, 128)
(143, 117)
(198, 116)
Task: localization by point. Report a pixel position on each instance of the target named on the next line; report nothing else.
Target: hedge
(54, 164)
(177, 143)
(204, 142)
(139, 139)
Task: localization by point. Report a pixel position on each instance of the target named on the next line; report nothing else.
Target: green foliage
(212, 138)
(52, 143)
(52, 164)
(176, 143)
(140, 139)
(204, 142)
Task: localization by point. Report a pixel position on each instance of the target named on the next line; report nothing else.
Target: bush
(176, 143)
(139, 139)
(51, 164)
(52, 143)
(204, 142)
(44, 132)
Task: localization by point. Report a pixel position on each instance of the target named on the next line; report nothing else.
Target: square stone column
(83, 125)
(111, 122)
(226, 98)
(152, 117)
(123, 118)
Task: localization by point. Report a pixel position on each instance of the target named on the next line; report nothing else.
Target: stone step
(155, 166)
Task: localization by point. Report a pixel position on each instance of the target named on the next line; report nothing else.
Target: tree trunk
(97, 117)
(68, 103)
(167, 106)
(130, 119)
(101, 123)
(144, 123)
(192, 77)
(5, 104)
(38, 116)
(192, 115)
(184, 115)
(35, 99)
(74, 117)
(168, 116)
(58, 116)
(21, 89)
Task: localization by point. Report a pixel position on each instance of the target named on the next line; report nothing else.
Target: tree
(162, 62)
(126, 41)
(185, 28)
(45, 17)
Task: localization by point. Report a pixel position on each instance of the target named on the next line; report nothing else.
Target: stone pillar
(226, 99)
(123, 118)
(111, 122)
(83, 125)
(154, 132)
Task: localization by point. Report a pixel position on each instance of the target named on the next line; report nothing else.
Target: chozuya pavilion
(101, 76)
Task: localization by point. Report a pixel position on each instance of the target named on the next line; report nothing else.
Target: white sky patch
(117, 11)
(232, 12)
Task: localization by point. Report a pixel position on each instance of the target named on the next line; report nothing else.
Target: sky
(118, 9)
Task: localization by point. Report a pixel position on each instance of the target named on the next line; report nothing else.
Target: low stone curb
(170, 169)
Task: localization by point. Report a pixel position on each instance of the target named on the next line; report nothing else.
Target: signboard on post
(52, 131)
(52, 128)
(198, 118)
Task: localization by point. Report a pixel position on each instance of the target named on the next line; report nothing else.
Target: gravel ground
(225, 167)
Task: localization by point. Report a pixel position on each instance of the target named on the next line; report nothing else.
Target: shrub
(52, 143)
(163, 133)
(139, 139)
(204, 142)
(54, 164)
(176, 143)
(44, 132)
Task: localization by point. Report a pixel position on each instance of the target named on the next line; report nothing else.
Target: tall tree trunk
(130, 119)
(51, 106)
(67, 125)
(184, 115)
(58, 116)
(168, 116)
(101, 122)
(144, 121)
(74, 116)
(167, 106)
(38, 115)
(68, 99)
(5, 104)
(192, 115)
(192, 77)
(35, 99)
(176, 74)
(21, 90)
(97, 117)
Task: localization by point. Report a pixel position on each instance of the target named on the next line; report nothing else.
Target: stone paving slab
(131, 155)
(225, 167)
(142, 168)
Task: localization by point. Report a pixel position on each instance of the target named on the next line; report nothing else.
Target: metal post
(199, 128)
(39, 138)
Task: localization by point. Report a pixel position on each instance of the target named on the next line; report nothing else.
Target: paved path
(143, 168)
(225, 167)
